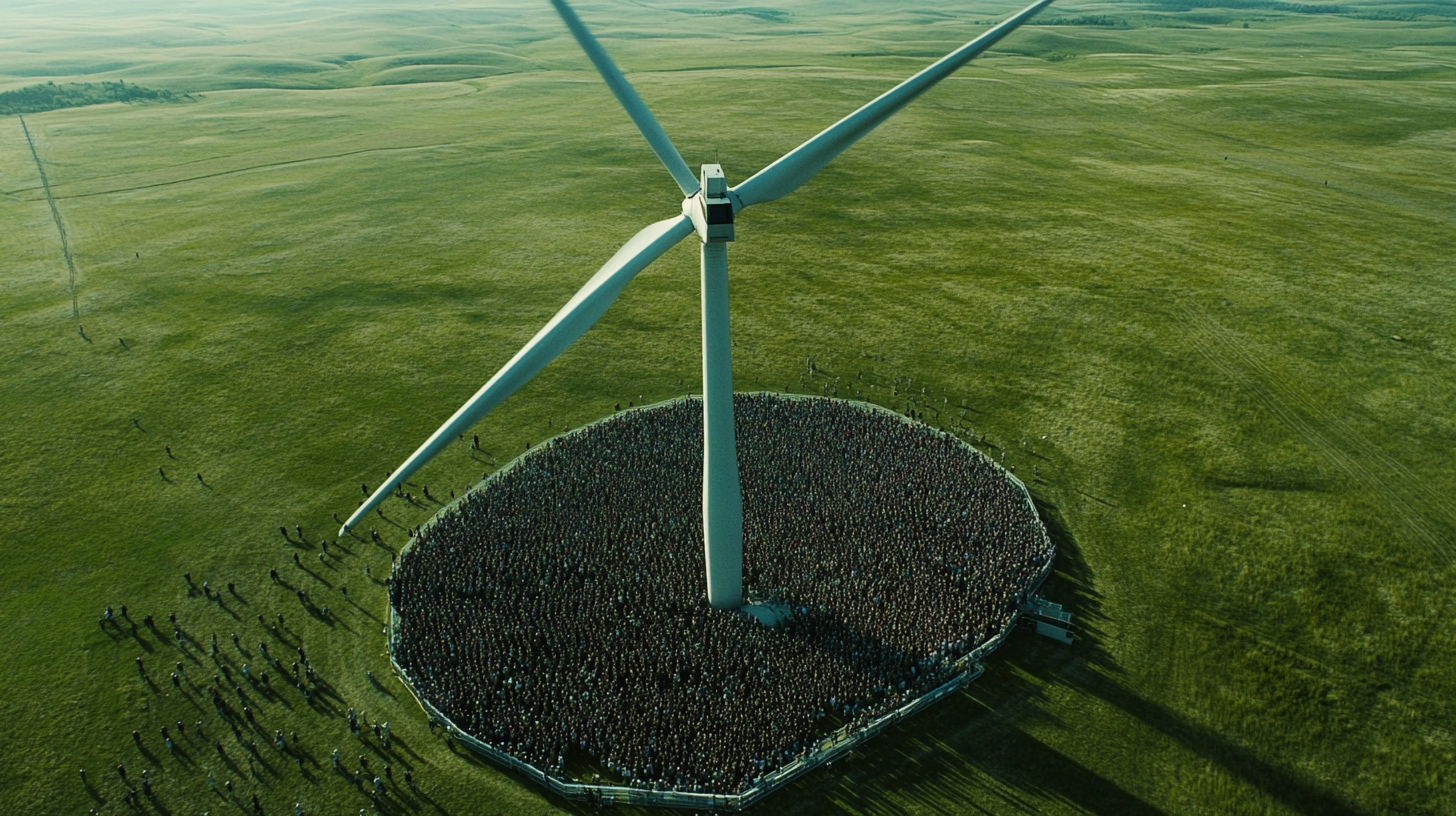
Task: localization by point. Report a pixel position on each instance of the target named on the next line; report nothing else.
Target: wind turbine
(708, 208)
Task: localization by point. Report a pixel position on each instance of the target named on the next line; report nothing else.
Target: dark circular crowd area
(559, 612)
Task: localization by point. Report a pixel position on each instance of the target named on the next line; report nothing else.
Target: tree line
(50, 96)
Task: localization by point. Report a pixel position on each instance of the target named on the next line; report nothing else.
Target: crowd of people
(560, 613)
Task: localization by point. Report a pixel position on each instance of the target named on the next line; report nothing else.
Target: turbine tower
(708, 208)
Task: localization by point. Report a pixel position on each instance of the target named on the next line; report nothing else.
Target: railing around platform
(825, 750)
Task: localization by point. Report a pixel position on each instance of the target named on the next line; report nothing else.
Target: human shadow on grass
(264, 690)
(394, 753)
(180, 754)
(324, 706)
(429, 800)
(382, 689)
(147, 752)
(298, 543)
(308, 775)
(227, 759)
(186, 638)
(245, 699)
(316, 576)
(256, 761)
(403, 744)
(151, 684)
(366, 612)
(460, 750)
(324, 688)
(141, 641)
(158, 805)
(1097, 499)
(388, 756)
(286, 636)
(332, 620)
(221, 604)
(151, 624)
(393, 553)
(188, 694)
(319, 613)
(280, 697)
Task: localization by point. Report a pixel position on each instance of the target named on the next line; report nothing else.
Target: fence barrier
(825, 750)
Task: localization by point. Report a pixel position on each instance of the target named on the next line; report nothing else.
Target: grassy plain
(1163, 262)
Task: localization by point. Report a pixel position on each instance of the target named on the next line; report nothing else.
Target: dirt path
(56, 214)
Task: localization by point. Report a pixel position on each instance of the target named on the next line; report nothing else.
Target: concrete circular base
(768, 613)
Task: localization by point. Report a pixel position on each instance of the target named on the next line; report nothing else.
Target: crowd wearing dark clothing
(559, 613)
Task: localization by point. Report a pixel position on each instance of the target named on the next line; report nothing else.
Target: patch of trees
(50, 96)
(1407, 13)
(1101, 20)
(771, 15)
(1401, 16)
(1262, 5)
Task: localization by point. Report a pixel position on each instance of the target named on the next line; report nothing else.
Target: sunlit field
(1187, 267)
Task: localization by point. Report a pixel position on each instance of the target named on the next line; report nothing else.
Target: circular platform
(558, 612)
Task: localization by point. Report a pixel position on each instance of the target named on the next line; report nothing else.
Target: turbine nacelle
(712, 207)
(708, 210)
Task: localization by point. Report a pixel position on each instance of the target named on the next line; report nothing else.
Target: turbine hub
(711, 208)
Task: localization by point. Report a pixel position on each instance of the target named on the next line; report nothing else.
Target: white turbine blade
(686, 179)
(799, 165)
(571, 322)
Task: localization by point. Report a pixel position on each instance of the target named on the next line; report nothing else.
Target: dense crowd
(560, 613)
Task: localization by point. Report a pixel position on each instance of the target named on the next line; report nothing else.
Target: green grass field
(1163, 260)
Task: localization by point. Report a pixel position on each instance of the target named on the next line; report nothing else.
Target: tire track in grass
(249, 169)
(1349, 438)
(1367, 465)
(56, 214)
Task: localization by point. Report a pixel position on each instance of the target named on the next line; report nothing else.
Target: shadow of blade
(971, 757)
(1280, 784)
(977, 751)
(1089, 668)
